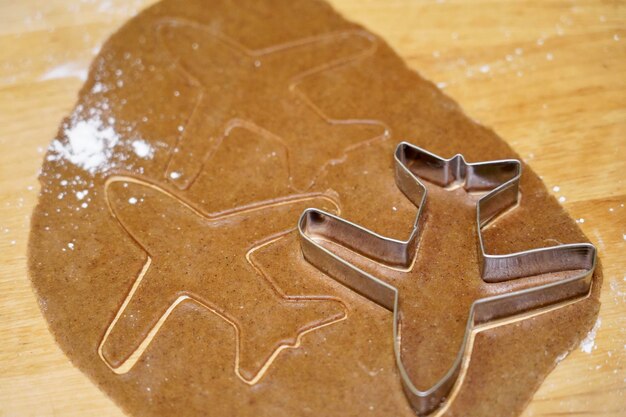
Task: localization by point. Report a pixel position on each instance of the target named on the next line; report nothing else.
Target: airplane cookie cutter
(500, 181)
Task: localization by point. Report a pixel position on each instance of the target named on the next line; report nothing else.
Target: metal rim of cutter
(500, 180)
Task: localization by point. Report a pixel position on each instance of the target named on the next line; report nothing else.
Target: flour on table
(69, 70)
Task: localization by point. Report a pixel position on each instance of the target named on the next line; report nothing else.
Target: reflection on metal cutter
(499, 181)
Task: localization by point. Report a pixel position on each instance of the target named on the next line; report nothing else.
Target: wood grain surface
(549, 76)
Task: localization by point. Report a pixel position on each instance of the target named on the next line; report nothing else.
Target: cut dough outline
(138, 352)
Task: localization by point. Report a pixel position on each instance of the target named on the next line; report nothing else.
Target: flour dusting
(98, 143)
(562, 356)
(142, 148)
(589, 343)
(89, 145)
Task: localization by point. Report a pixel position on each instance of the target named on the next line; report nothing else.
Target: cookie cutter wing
(500, 180)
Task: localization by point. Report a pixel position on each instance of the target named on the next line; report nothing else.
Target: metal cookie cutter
(500, 181)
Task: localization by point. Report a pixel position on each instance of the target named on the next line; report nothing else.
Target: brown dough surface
(163, 251)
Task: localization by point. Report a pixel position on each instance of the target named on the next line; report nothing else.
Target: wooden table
(549, 76)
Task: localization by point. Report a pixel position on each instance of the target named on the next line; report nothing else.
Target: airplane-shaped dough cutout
(205, 259)
(256, 90)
